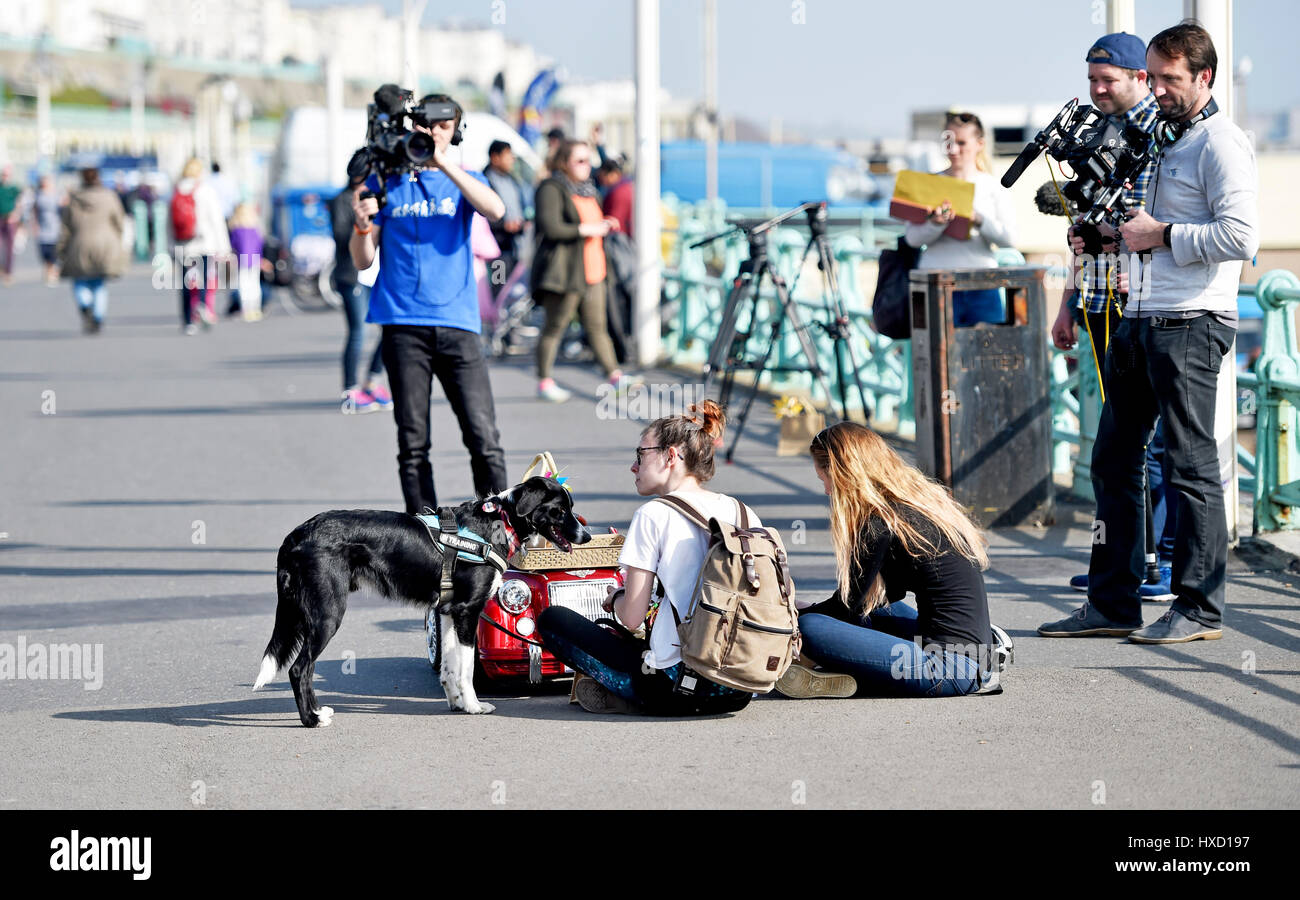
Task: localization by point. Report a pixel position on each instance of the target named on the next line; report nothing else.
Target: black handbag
(889, 308)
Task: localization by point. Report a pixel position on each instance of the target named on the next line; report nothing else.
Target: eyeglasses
(640, 450)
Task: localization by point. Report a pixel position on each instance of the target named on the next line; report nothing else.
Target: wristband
(369, 228)
(1168, 237)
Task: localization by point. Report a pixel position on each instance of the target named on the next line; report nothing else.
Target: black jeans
(615, 661)
(413, 354)
(1168, 367)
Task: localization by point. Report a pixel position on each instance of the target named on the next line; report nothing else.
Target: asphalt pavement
(147, 479)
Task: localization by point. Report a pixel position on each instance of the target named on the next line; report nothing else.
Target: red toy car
(523, 595)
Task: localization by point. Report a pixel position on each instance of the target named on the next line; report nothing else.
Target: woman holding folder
(992, 222)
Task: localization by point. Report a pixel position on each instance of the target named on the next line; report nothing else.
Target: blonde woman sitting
(894, 530)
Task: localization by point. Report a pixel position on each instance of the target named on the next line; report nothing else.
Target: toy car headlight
(515, 596)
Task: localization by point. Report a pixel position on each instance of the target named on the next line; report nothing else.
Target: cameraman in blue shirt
(426, 298)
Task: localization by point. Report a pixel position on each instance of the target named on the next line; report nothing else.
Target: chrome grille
(583, 597)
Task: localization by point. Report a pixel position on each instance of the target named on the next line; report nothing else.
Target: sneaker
(206, 316)
(190, 330)
(550, 391)
(1080, 582)
(1004, 651)
(1175, 628)
(801, 683)
(379, 393)
(87, 319)
(1086, 622)
(356, 400)
(1162, 590)
(594, 697)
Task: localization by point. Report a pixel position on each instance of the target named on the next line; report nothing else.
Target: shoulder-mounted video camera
(392, 147)
(1106, 157)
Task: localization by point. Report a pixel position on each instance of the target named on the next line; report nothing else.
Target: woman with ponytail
(894, 530)
(631, 674)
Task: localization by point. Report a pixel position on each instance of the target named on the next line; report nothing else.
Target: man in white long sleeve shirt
(1199, 224)
(993, 222)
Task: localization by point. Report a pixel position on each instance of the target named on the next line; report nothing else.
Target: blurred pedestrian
(201, 241)
(227, 191)
(246, 243)
(500, 174)
(569, 269)
(10, 219)
(356, 302)
(619, 194)
(91, 248)
(45, 210)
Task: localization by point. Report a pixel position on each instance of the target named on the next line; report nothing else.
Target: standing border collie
(333, 554)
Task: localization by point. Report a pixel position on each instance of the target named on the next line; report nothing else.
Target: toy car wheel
(433, 639)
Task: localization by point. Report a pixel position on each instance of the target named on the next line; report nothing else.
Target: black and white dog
(333, 554)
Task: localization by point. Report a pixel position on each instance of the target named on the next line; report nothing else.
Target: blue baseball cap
(1120, 49)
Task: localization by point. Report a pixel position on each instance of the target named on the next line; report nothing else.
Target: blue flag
(536, 99)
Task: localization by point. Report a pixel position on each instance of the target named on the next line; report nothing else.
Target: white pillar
(1215, 16)
(333, 117)
(1121, 15)
(412, 11)
(711, 100)
(137, 106)
(647, 222)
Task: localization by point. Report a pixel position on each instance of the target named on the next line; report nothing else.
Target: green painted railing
(1276, 382)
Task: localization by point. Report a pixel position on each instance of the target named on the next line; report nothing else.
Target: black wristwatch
(1168, 238)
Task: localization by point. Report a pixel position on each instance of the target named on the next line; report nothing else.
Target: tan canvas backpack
(741, 629)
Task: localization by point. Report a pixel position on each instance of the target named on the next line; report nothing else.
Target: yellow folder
(916, 193)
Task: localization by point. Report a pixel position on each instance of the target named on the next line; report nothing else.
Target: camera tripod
(727, 355)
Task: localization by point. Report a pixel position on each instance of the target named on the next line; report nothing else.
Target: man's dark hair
(216, 167)
(443, 98)
(497, 146)
(89, 176)
(610, 167)
(1190, 40)
(555, 134)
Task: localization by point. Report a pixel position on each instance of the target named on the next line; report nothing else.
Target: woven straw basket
(539, 554)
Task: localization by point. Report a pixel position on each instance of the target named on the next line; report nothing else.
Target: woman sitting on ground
(894, 530)
(673, 456)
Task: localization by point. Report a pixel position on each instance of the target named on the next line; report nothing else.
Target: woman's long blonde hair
(868, 479)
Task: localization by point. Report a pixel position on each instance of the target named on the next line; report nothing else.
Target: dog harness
(459, 543)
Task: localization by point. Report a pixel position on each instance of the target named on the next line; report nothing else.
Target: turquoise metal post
(1276, 460)
(162, 228)
(140, 219)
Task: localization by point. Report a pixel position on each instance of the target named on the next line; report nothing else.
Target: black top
(951, 605)
(341, 218)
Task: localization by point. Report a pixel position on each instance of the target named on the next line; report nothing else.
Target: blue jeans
(356, 299)
(885, 658)
(92, 294)
(615, 661)
(1168, 368)
(1164, 499)
(972, 307)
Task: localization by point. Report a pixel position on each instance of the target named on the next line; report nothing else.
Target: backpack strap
(751, 575)
(685, 509)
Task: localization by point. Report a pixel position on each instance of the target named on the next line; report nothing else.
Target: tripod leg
(773, 338)
(721, 349)
(843, 332)
(805, 342)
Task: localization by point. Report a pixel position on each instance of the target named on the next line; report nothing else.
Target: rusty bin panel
(983, 395)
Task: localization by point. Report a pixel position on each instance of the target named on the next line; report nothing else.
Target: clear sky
(856, 68)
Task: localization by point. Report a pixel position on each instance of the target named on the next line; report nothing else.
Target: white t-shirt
(662, 540)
